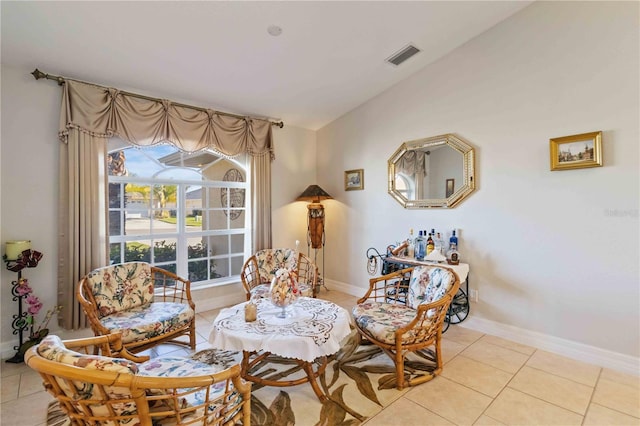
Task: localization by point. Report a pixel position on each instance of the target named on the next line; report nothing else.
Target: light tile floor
(486, 381)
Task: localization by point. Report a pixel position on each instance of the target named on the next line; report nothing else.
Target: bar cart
(459, 309)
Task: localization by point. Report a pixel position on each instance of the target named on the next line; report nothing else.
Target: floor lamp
(315, 221)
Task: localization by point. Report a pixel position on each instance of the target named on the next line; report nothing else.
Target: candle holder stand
(23, 320)
(20, 321)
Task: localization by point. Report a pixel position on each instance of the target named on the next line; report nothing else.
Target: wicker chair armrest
(90, 307)
(164, 382)
(88, 345)
(386, 288)
(106, 345)
(169, 287)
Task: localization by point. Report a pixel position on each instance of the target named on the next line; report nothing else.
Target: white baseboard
(204, 305)
(6, 349)
(345, 288)
(569, 348)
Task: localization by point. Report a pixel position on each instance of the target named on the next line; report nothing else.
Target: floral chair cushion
(53, 349)
(381, 320)
(270, 260)
(121, 287)
(428, 284)
(262, 290)
(145, 322)
(186, 367)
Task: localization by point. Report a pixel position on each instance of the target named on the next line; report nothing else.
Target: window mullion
(182, 242)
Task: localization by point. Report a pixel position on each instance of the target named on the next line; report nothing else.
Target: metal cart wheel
(459, 309)
(445, 326)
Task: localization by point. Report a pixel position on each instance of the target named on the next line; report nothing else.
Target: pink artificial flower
(34, 304)
(23, 289)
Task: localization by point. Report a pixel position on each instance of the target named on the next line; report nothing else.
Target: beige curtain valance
(412, 163)
(105, 112)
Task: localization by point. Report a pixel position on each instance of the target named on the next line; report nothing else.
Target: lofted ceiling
(329, 58)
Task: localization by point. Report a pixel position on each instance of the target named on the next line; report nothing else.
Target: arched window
(405, 186)
(183, 212)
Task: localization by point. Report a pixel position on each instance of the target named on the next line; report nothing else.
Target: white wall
(292, 171)
(556, 253)
(29, 176)
(29, 159)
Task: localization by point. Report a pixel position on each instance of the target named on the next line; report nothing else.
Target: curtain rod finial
(37, 74)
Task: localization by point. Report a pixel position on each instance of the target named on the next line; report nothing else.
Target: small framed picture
(450, 187)
(576, 151)
(354, 180)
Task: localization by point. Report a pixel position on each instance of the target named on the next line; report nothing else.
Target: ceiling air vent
(404, 54)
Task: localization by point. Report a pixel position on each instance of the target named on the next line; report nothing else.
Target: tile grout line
(504, 387)
(592, 394)
(548, 402)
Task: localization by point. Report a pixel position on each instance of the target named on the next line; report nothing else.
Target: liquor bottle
(438, 243)
(411, 249)
(453, 239)
(430, 245)
(453, 257)
(420, 248)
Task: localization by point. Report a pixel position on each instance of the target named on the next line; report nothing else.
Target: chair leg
(438, 349)
(399, 361)
(192, 335)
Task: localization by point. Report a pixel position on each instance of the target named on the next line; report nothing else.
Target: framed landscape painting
(354, 180)
(576, 151)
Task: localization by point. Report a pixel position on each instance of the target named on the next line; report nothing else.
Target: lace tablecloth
(315, 328)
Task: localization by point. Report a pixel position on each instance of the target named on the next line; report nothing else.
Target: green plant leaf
(362, 355)
(417, 365)
(281, 409)
(350, 346)
(362, 381)
(389, 381)
(332, 413)
(378, 369)
(260, 414)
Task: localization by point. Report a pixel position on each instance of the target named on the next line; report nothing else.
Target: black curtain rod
(37, 74)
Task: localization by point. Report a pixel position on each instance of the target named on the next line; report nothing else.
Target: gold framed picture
(450, 187)
(576, 151)
(354, 180)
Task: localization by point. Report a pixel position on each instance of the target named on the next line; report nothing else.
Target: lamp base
(316, 225)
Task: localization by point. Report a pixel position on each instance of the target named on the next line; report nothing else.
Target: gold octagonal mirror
(436, 172)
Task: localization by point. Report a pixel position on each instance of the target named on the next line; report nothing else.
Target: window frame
(181, 233)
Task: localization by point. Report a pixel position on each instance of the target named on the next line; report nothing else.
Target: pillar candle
(13, 249)
(250, 312)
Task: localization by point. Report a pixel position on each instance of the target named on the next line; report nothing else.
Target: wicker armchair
(148, 305)
(403, 312)
(102, 389)
(259, 270)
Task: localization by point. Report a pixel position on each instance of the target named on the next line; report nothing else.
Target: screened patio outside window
(183, 212)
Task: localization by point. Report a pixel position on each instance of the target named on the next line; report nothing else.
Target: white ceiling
(329, 59)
